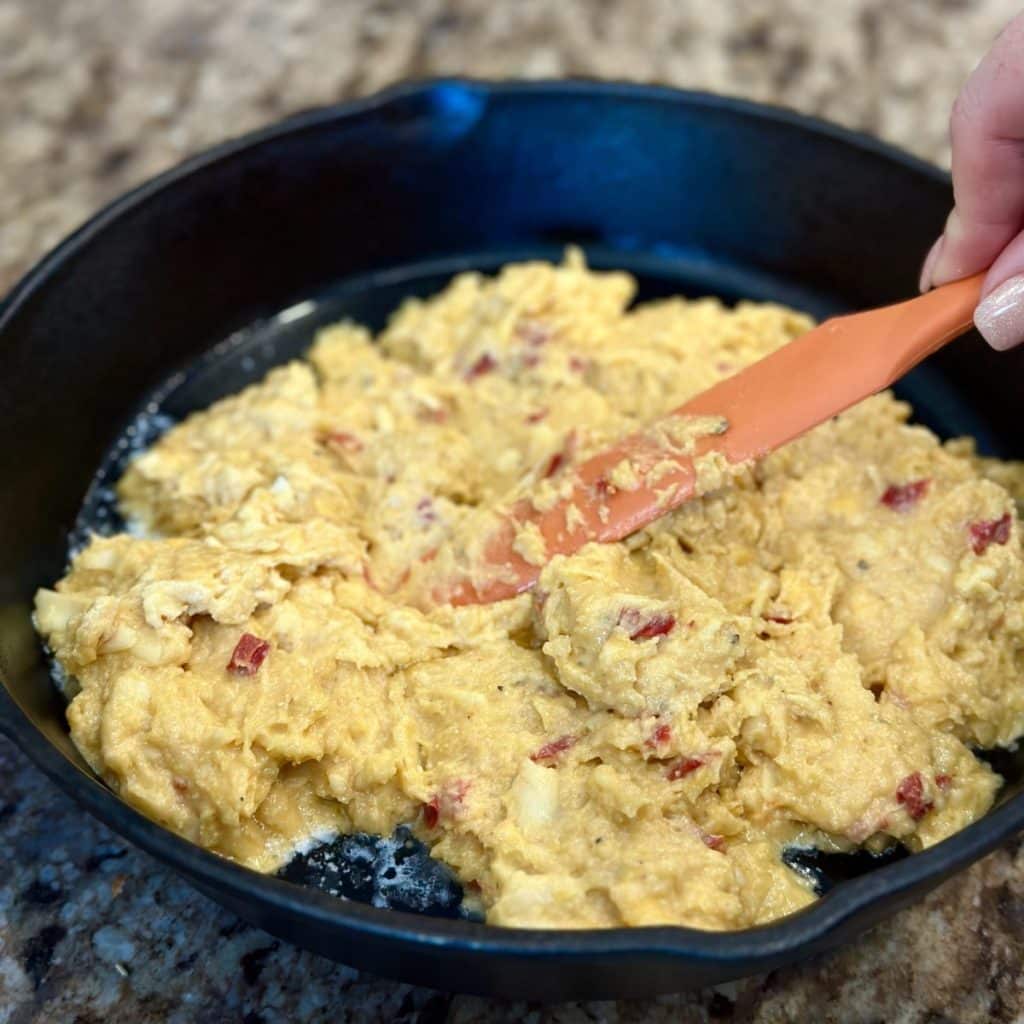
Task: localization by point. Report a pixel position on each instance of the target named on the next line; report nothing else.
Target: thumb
(1000, 314)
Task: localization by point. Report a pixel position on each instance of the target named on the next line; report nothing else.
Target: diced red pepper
(485, 364)
(662, 734)
(989, 531)
(248, 655)
(659, 625)
(910, 793)
(943, 781)
(712, 841)
(551, 751)
(685, 766)
(537, 415)
(560, 458)
(346, 441)
(782, 620)
(641, 627)
(534, 332)
(903, 497)
(554, 465)
(431, 812)
(446, 802)
(425, 511)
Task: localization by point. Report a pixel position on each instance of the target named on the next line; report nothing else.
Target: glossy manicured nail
(1000, 315)
(929, 262)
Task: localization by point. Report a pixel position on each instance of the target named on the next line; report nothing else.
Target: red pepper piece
(910, 793)
(640, 627)
(561, 458)
(446, 802)
(782, 620)
(903, 497)
(712, 841)
(989, 531)
(661, 735)
(551, 751)
(248, 655)
(346, 441)
(659, 625)
(534, 332)
(554, 465)
(485, 364)
(943, 781)
(685, 766)
(425, 511)
(431, 812)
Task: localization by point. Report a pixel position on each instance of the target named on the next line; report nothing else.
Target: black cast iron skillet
(346, 210)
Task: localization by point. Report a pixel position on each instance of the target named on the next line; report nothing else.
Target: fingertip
(948, 263)
(999, 317)
(925, 282)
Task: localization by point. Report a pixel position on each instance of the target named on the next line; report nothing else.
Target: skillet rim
(821, 924)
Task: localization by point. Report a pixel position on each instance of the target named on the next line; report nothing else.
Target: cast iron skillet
(346, 210)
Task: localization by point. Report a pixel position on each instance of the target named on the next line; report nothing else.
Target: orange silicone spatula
(771, 402)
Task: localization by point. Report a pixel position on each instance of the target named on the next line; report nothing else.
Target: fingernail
(943, 269)
(929, 262)
(1000, 315)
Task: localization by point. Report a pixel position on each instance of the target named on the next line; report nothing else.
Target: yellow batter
(804, 655)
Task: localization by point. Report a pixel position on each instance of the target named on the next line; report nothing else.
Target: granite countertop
(96, 95)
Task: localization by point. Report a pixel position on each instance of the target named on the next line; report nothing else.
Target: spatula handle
(832, 367)
(768, 404)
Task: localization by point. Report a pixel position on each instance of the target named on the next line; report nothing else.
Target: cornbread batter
(803, 655)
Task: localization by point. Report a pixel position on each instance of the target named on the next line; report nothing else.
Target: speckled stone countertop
(96, 95)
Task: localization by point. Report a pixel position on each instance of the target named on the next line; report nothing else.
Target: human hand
(986, 225)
